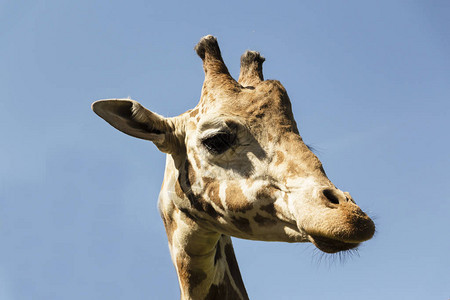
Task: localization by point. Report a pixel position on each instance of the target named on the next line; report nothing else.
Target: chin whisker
(321, 258)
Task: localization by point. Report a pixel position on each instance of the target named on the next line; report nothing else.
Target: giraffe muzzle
(335, 223)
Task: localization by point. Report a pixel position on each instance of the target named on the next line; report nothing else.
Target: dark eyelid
(219, 142)
(216, 133)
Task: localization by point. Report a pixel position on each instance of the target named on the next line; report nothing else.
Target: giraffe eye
(220, 142)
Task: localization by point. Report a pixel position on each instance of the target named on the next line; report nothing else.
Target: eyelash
(220, 142)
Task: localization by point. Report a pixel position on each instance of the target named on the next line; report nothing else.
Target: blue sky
(370, 88)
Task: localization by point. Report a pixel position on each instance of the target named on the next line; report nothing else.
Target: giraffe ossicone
(237, 166)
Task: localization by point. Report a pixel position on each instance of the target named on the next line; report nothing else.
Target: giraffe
(237, 166)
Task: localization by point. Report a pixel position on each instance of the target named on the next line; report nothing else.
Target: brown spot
(193, 113)
(191, 173)
(270, 209)
(266, 193)
(236, 200)
(199, 204)
(264, 220)
(212, 188)
(280, 158)
(270, 137)
(242, 224)
(188, 277)
(223, 291)
(196, 277)
(294, 169)
(210, 99)
(191, 125)
(178, 189)
(212, 212)
(208, 180)
(169, 225)
(197, 161)
(182, 269)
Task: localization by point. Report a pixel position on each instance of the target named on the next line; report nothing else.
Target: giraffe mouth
(329, 245)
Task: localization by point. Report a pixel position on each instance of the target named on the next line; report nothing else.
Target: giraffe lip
(330, 245)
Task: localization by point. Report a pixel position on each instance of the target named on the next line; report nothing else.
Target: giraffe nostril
(331, 196)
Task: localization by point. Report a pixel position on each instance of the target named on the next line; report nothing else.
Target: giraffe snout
(334, 222)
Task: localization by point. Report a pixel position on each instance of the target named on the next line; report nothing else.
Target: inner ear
(130, 113)
(142, 119)
(132, 118)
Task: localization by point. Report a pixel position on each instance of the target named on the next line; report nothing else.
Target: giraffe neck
(204, 259)
(205, 263)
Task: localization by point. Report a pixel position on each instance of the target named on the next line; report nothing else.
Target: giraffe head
(237, 164)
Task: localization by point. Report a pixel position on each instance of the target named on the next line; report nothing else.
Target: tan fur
(235, 198)
(280, 158)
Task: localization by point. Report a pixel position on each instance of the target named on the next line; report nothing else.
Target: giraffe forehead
(266, 103)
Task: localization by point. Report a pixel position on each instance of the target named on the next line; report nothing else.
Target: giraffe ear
(132, 118)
